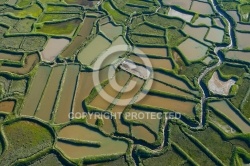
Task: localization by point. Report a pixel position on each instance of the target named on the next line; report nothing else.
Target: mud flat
(48, 99)
(217, 86)
(53, 48)
(238, 56)
(134, 69)
(35, 91)
(7, 106)
(67, 94)
(81, 37)
(224, 108)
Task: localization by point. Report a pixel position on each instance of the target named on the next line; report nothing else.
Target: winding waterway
(220, 60)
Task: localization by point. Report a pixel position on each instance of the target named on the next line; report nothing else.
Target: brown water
(193, 50)
(81, 37)
(86, 134)
(93, 50)
(238, 55)
(198, 33)
(111, 89)
(11, 57)
(7, 106)
(144, 117)
(215, 35)
(168, 89)
(243, 40)
(141, 132)
(121, 127)
(84, 87)
(168, 103)
(48, 100)
(201, 8)
(35, 91)
(162, 52)
(111, 31)
(67, 94)
(53, 48)
(30, 62)
(171, 80)
(223, 107)
(155, 62)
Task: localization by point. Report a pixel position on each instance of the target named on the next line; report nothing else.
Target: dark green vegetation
(42, 82)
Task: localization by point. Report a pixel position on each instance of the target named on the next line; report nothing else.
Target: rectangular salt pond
(184, 16)
(238, 55)
(215, 35)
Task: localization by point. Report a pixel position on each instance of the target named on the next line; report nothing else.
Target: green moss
(147, 29)
(229, 5)
(61, 28)
(24, 3)
(175, 37)
(148, 40)
(33, 11)
(116, 15)
(53, 17)
(164, 21)
(232, 70)
(24, 139)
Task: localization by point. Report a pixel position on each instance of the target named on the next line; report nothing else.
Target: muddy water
(111, 89)
(53, 48)
(30, 62)
(156, 63)
(144, 118)
(192, 49)
(81, 37)
(35, 91)
(169, 104)
(162, 52)
(86, 134)
(238, 55)
(243, 27)
(184, 4)
(48, 99)
(242, 40)
(121, 127)
(168, 89)
(141, 132)
(11, 57)
(111, 31)
(67, 94)
(7, 106)
(197, 33)
(224, 108)
(201, 8)
(93, 50)
(84, 87)
(215, 35)
(170, 80)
